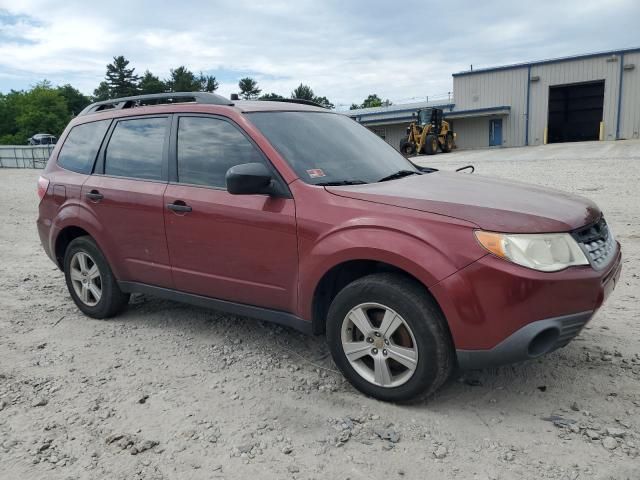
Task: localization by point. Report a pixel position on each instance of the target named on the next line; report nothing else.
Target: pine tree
(248, 88)
(208, 83)
(303, 92)
(183, 80)
(121, 80)
(151, 84)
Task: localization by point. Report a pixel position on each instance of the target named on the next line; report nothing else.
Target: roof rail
(293, 100)
(155, 99)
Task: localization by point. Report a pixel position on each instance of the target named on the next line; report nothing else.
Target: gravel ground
(170, 391)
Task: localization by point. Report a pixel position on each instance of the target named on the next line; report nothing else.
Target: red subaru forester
(298, 215)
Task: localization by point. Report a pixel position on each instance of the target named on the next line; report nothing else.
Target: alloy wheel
(86, 278)
(379, 345)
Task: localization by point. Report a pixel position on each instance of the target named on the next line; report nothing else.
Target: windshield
(424, 116)
(329, 148)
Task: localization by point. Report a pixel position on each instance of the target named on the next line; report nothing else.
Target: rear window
(81, 146)
(136, 149)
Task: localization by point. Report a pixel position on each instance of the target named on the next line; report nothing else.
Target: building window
(380, 131)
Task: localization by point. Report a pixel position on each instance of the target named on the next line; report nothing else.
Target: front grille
(597, 242)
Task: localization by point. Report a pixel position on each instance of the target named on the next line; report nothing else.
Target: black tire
(112, 299)
(407, 148)
(412, 302)
(431, 144)
(447, 146)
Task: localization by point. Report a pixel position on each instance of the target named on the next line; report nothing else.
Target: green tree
(303, 92)
(102, 92)
(208, 83)
(122, 81)
(183, 80)
(75, 100)
(324, 101)
(8, 114)
(40, 110)
(248, 88)
(371, 101)
(270, 96)
(149, 83)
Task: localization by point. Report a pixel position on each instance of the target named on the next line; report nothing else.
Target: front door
(125, 196)
(495, 132)
(240, 248)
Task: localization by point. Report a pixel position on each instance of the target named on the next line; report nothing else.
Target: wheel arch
(340, 275)
(67, 233)
(64, 238)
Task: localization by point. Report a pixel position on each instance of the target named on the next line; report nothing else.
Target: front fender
(427, 262)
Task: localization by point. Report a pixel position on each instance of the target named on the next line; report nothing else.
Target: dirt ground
(170, 391)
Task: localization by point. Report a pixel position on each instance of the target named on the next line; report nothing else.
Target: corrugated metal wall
(574, 71)
(472, 132)
(509, 87)
(392, 133)
(491, 89)
(630, 111)
(395, 133)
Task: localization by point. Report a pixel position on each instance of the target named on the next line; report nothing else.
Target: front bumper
(501, 313)
(531, 341)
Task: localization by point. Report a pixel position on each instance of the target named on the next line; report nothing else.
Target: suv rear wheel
(90, 280)
(389, 338)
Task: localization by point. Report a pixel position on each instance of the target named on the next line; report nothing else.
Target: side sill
(260, 313)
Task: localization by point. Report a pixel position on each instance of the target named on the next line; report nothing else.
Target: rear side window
(136, 149)
(208, 147)
(81, 146)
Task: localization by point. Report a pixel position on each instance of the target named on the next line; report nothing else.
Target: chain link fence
(21, 156)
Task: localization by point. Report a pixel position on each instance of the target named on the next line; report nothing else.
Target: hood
(490, 203)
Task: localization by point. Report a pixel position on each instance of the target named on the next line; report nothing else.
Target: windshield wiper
(341, 182)
(399, 174)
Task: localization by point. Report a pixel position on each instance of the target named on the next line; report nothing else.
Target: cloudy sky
(344, 49)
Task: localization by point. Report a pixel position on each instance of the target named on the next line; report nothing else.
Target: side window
(208, 147)
(135, 148)
(81, 146)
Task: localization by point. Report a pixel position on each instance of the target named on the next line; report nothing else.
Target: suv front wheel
(389, 338)
(90, 280)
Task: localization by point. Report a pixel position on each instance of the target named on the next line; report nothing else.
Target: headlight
(547, 252)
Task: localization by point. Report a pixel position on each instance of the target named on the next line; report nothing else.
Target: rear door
(240, 248)
(124, 196)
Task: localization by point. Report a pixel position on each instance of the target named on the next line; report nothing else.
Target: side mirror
(249, 179)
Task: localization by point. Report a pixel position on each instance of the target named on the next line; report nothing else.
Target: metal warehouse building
(586, 97)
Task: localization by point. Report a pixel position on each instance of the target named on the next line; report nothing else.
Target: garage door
(575, 112)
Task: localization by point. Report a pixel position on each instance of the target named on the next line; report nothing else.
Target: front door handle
(179, 207)
(95, 196)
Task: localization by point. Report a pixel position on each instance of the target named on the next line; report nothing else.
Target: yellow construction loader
(427, 134)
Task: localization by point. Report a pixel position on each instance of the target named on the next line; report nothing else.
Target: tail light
(43, 184)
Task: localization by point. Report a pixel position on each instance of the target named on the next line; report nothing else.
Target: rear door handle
(95, 195)
(179, 206)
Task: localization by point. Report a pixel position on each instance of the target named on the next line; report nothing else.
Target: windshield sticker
(315, 173)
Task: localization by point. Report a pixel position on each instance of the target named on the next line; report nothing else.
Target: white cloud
(344, 50)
